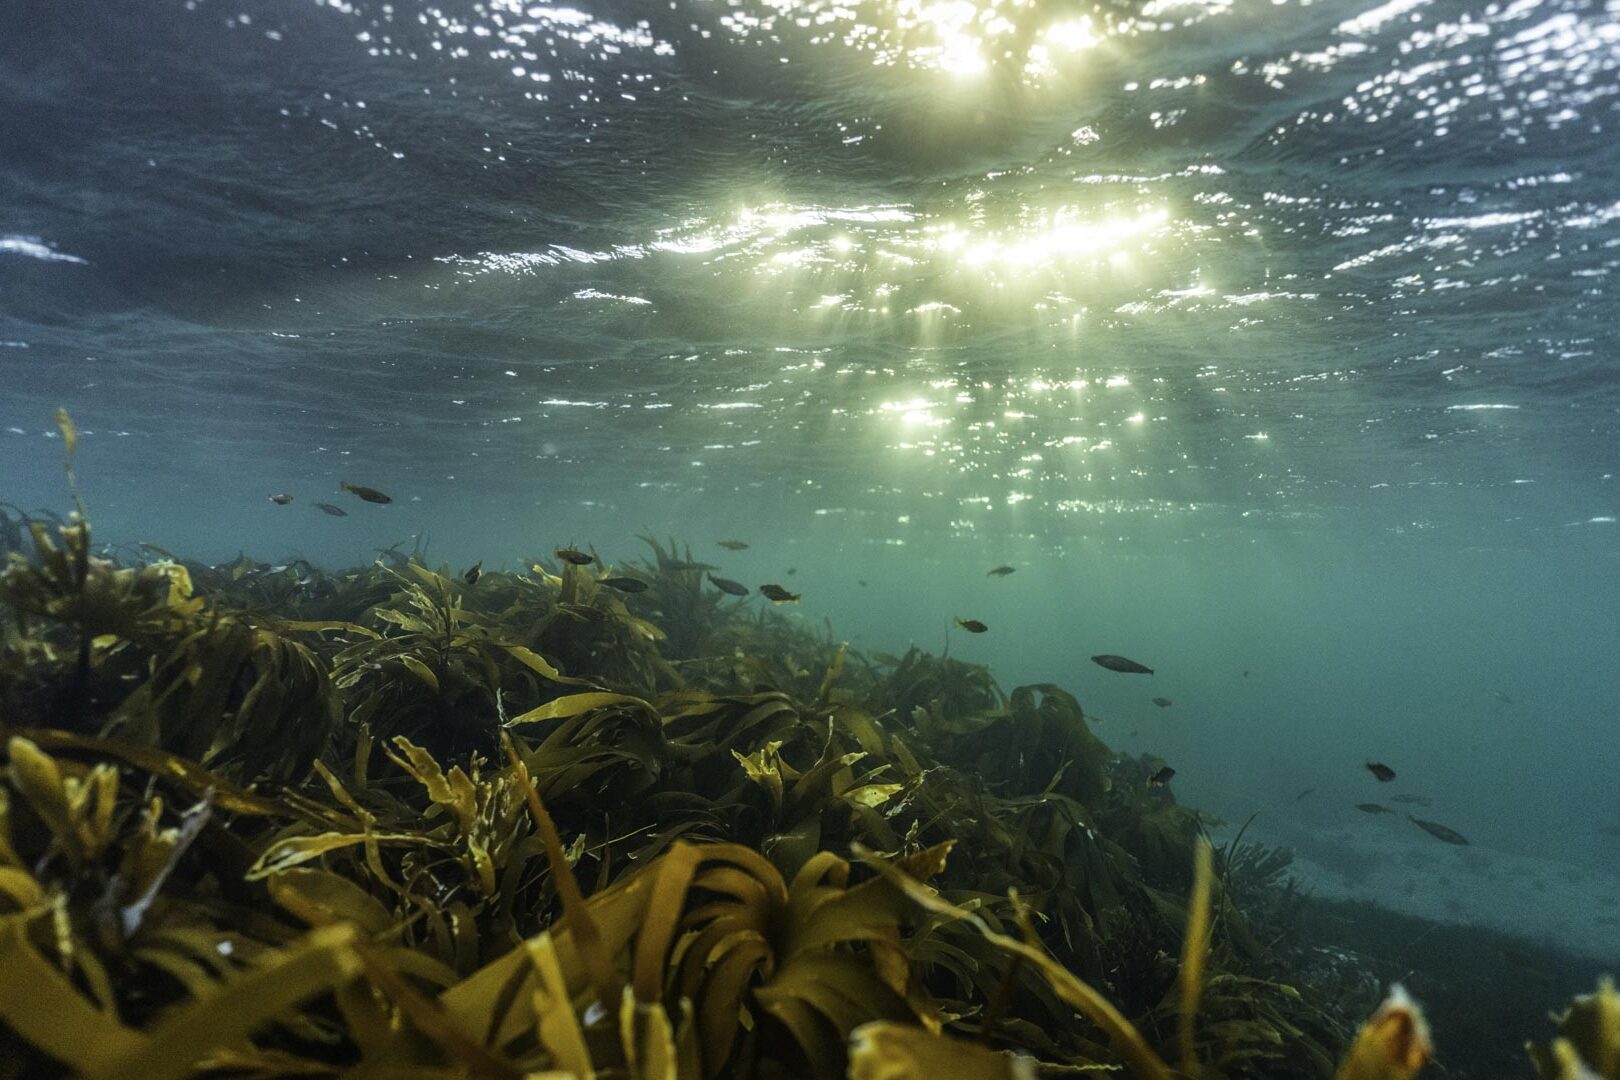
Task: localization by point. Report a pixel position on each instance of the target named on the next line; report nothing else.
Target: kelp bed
(267, 821)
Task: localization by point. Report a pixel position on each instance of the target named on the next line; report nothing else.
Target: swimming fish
(972, 626)
(471, 576)
(1162, 777)
(624, 584)
(1415, 800)
(1373, 808)
(1119, 663)
(778, 594)
(861, 582)
(281, 500)
(370, 495)
(1502, 697)
(732, 545)
(335, 511)
(679, 565)
(574, 556)
(1304, 793)
(1002, 571)
(790, 571)
(726, 585)
(1384, 773)
(1162, 702)
(1438, 831)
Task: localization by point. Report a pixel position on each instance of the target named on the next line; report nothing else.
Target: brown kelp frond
(1588, 1040)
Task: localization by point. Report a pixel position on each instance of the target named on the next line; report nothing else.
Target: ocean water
(1273, 343)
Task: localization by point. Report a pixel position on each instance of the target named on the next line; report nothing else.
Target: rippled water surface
(1264, 337)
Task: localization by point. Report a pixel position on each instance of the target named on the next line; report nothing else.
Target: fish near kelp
(732, 545)
(1121, 664)
(1438, 831)
(1161, 777)
(574, 557)
(777, 594)
(1384, 773)
(624, 584)
(972, 626)
(369, 494)
(727, 586)
(473, 573)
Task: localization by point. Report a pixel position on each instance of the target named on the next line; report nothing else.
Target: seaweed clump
(265, 821)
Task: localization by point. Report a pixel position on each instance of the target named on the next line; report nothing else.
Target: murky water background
(1265, 337)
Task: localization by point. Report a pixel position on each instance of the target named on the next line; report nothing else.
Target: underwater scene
(810, 538)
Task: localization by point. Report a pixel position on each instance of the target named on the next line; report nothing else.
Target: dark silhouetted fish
(1162, 777)
(328, 508)
(1438, 831)
(472, 575)
(1384, 773)
(625, 584)
(732, 545)
(574, 556)
(370, 495)
(1162, 702)
(1002, 571)
(726, 585)
(281, 500)
(1415, 800)
(1373, 808)
(1120, 663)
(681, 565)
(778, 594)
(790, 571)
(1304, 793)
(972, 626)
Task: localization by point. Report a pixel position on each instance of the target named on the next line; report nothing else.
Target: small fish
(1245, 673)
(1502, 697)
(1162, 777)
(1304, 793)
(281, 500)
(1119, 663)
(1415, 800)
(778, 594)
(726, 585)
(1609, 830)
(328, 508)
(790, 571)
(625, 584)
(972, 626)
(1002, 571)
(574, 556)
(477, 571)
(1384, 773)
(1162, 702)
(680, 566)
(732, 545)
(370, 495)
(861, 582)
(1438, 831)
(1373, 808)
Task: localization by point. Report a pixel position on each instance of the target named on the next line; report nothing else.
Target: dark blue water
(1266, 337)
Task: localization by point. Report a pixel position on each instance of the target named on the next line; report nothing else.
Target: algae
(270, 821)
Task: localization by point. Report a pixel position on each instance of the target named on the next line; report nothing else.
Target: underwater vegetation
(266, 821)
